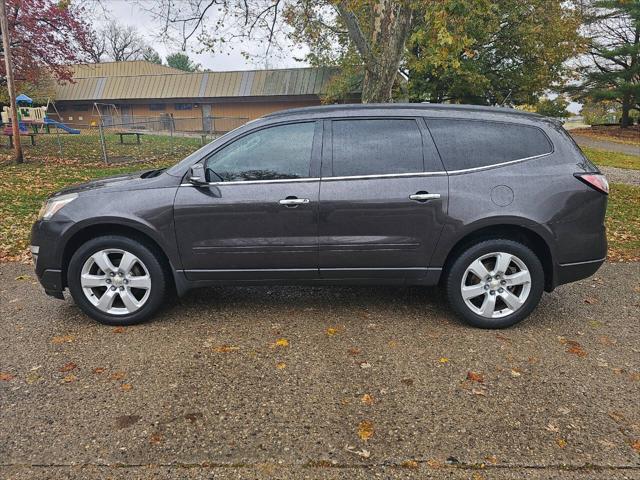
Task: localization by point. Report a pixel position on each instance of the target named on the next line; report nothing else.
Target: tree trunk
(626, 108)
(382, 50)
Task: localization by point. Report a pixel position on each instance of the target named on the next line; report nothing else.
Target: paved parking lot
(284, 382)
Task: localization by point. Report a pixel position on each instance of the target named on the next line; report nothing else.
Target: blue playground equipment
(61, 126)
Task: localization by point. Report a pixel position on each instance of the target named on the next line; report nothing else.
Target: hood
(122, 182)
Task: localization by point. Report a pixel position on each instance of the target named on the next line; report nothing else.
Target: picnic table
(31, 135)
(127, 134)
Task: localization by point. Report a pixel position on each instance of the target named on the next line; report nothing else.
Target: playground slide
(62, 126)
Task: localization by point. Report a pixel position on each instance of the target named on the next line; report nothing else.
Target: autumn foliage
(45, 34)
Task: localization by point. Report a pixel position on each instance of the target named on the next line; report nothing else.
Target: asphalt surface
(370, 383)
(622, 175)
(586, 141)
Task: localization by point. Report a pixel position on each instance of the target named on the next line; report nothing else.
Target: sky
(131, 12)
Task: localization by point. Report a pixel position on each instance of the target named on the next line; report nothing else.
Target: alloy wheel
(115, 281)
(496, 285)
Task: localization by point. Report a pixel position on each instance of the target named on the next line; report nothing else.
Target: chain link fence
(126, 138)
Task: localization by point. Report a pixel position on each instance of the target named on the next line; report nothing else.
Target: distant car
(494, 204)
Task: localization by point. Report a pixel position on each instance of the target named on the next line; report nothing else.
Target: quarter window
(472, 143)
(273, 153)
(376, 147)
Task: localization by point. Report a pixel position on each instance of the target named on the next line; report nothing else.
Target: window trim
(314, 164)
(327, 172)
(494, 165)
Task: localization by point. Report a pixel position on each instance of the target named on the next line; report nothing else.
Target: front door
(258, 217)
(383, 199)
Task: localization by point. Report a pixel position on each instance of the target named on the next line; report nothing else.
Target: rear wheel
(495, 283)
(116, 280)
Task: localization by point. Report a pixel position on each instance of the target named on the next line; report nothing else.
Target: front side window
(474, 143)
(376, 147)
(273, 153)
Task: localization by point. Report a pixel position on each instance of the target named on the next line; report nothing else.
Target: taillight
(594, 180)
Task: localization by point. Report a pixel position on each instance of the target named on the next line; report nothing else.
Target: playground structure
(32, 117)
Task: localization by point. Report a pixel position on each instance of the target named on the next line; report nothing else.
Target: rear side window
(376, 147)
(471, 143)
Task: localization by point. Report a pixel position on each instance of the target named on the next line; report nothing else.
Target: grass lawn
(24, 187)
(603, 158)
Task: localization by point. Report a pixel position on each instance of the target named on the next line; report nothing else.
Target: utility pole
(6, 43)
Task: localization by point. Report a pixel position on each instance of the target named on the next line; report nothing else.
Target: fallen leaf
(63, 339)
(492, 459)
(354, 351)
(280, 343)
(69, 379)
(475, 377)
(515, 373)
(67, 367)
(407, 381)
(434, 463)
(365, 430)
(126, 387)
(331, 331)
(118, 330)
(226, 349)
(479, 391)
(98, 370)
(367, 399)
(23, 277)
(552, 428)
(561, 442)
(155, 439)
(6, 377)
(365, 365)
(363, 453)
(576, 349)
(590, 300)
(117, 376)
(412, 464)
(281, 365)
(32, 377)
(393, 344)
(443, 360)
(636, 445)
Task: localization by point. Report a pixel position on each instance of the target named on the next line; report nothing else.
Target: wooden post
(6, 44)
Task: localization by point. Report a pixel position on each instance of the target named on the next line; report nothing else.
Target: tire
(124, 303)
(514, 295)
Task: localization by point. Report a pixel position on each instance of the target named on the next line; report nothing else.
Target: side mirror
(197, 175)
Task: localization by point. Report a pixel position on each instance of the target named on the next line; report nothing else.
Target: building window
(156, 107)
(184, 106)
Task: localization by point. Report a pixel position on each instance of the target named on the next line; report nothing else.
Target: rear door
(258, 216)
(383, 198)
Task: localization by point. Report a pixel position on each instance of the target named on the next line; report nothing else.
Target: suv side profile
(493, 204)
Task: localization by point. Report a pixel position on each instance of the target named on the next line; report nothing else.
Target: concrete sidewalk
(346, 383)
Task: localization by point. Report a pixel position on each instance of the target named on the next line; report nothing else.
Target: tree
(150, 55)
(181, 61)
(123, 42)
(46, 37)
(612, 69)
(373, 33)
(491, 52)
(556, 108)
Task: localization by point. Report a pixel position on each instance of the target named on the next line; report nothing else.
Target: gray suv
(493, 204)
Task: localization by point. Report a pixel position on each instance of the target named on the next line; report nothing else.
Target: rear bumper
(571, 272)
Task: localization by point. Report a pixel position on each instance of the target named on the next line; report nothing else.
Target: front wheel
(495, 283)
(116, 280)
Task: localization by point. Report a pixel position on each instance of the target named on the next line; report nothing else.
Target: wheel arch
(517, 232)
(95, 230)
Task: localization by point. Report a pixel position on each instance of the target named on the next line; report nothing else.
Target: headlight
(52, 205)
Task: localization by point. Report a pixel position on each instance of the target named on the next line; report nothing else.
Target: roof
(119, 69)
(356, 107)
(102, 84)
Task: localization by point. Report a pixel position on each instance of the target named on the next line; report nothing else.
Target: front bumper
(47, 257)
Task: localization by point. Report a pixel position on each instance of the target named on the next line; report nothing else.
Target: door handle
(293, 201)
(424, 196)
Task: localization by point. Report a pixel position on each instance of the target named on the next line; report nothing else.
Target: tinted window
(272, 153)
(375, 147)
(470, 144)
